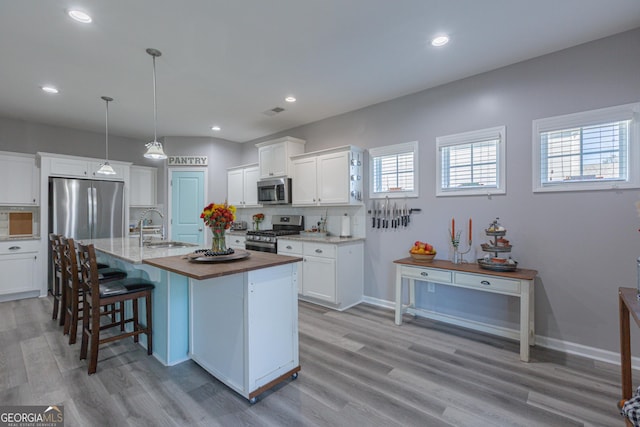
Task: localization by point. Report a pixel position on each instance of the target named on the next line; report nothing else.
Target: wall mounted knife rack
(384, 215)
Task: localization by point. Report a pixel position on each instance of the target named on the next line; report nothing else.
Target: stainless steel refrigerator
(86, 209)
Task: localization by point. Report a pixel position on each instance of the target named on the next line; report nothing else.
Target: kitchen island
(238, 320)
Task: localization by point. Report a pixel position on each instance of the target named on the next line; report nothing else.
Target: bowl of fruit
(422, 251)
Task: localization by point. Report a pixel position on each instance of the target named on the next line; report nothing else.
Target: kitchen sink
(168, 244)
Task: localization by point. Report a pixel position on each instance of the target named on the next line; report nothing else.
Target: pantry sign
(188, 160)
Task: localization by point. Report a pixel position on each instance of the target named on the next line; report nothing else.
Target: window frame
(390, 150)
(465, 138)
(585, 119)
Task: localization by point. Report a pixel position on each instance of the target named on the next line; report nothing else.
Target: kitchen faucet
(143, 216)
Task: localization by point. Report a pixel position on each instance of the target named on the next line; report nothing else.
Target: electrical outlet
(431, 287)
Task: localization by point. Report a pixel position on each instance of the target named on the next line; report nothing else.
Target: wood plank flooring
(358, 368)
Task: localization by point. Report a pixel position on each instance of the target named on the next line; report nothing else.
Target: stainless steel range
(267, 240)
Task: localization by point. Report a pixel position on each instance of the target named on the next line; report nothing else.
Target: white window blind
(393, 170)
(586, 151)
(471, 162)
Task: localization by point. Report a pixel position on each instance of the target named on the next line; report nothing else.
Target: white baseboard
(551, 343)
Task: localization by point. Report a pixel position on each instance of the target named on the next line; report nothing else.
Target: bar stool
(56, 277)
(97, 296)
(71, 290)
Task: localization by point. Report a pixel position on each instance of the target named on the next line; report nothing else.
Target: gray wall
(221, 154)
(583, 244)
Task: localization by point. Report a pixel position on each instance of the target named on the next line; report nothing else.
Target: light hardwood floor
(358, 369)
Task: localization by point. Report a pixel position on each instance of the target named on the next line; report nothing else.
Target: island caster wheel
(253, 400)
(294, 376)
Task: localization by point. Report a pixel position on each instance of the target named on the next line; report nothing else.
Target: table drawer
(427, 274)
(488, 283)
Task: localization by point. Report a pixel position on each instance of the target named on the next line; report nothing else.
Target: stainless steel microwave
(275, 191)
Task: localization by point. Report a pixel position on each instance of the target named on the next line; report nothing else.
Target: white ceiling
(226, 62)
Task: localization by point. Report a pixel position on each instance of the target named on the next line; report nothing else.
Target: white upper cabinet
(329, 177)
(274, 156)
(242, 188)
(85, 168)
(20, 179)
(143, 186)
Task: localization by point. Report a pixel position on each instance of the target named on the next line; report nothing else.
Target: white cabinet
(19, 265)
(235, 241)
(274, 156)
(332, 274)
(20, 179)
(242, 186)
(85, 168)
(330, 177)
(244, 328)
(142, 186)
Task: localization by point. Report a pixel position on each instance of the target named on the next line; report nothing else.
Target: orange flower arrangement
(219, 215)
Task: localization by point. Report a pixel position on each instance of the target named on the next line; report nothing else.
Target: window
(471, 163)
(394, 171)
(592, 150)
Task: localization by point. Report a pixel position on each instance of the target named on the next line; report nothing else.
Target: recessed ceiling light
(49, 89)
(440, 41)
(216, 128)
(290, 99)
(80, 16)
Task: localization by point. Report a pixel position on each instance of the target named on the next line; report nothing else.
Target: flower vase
(218, 243)
(257, 225)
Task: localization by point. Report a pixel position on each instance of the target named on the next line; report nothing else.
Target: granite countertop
(30, 237)
(128, 249)
(325, 239)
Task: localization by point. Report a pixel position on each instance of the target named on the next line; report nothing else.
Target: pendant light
(154, 148)
(105, 168)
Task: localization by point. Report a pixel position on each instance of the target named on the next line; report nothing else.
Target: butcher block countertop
(200, 271)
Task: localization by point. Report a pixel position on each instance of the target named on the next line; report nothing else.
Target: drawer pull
(289, 247)
(485, 282)
(15, 248)
(424, 273)
(318, 251)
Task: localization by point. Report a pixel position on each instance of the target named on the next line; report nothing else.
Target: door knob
(199, 229)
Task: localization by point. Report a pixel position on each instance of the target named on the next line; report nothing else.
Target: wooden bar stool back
(98, 296)
(57, 288)
(72, 291)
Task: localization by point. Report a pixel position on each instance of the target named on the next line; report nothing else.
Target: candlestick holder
(458, 255)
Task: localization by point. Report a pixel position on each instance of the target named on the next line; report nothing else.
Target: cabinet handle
(318, 251)
(15, 248)
(289, 247)
(34, 200)
(424, 273)
(485, 282)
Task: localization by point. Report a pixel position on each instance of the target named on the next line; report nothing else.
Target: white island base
(244, 328)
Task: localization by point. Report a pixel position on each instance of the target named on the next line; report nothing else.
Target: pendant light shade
(105, 168)
(154, 148)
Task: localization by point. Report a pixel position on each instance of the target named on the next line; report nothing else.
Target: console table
(517, 283)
